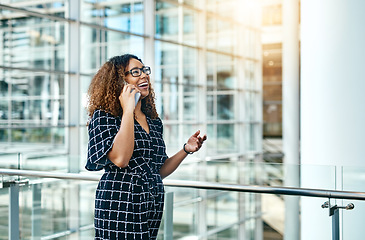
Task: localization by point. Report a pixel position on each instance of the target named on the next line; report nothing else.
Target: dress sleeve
(102, 129)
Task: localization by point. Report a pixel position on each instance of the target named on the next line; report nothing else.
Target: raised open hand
(194, 143)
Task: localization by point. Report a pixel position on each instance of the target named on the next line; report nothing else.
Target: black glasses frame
(136, 72)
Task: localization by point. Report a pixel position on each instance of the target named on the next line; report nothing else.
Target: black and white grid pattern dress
(129, 201)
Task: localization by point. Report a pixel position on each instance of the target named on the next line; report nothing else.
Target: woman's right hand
(127, 97)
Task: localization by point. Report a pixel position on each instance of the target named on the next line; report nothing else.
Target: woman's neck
(138, 111)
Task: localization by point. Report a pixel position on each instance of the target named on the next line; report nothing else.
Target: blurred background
(230, 68)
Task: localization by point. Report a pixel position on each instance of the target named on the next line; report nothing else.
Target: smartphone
(136, 97)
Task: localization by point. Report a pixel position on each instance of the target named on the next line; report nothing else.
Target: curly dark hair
(107, 84)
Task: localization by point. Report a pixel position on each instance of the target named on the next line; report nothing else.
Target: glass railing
(197, 212)
(56, 205)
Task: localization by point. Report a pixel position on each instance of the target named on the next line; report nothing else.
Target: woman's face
(142, 81)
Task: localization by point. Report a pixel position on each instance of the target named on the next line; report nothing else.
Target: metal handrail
(306, 192)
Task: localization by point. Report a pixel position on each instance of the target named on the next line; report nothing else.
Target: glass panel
(225, 137)
(170, 131)
(167, 21)
(31, 103)
(225, 108)
(250, 137)
(211, 82)
(250, 106)
(190, 27)
(220, 212)
(190, 107)
(190, 71)
(211, 112)
(166, 85)
(32, 42)
(54, 7)
(225, 77)
(221, 35)
(250, 75)
(48, 208)
(167, 56)
(51, 204)
(124, 16)
(100, 45)
(167, 98)
(353, 180)
(4, 204)
(4, 112)
(226, 8)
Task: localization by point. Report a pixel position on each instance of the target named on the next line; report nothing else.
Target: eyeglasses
(136, 72)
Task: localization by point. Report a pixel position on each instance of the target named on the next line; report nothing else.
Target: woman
(125, 138)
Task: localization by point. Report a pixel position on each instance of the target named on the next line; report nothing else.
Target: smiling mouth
(143, 85)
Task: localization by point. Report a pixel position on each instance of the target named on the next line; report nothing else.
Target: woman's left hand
(195, 142)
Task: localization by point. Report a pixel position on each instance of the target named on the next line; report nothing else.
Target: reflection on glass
(190, 107)
(225, 108)
(250, 106)
(220, 34)
(170, 131)
(251, 135)
(100, 45)
(167, 103)
(250, 75)
(190, 27)
(210, 107)
(55, 7)
(124, 16)
(167, 26)
(210, 79)
(225, 137)
(3, 111)
(225, 78)
(35, 43)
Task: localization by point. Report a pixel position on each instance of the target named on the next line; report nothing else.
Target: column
(73, 99)
(291, 113)
(332, 108)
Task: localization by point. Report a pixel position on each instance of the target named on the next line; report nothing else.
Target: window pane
(54, 8)
(225, 109)
(170, 131)
(168, 104)
(100, 45)
(167, 26)
(210, 107)
(225, 138)
(126, 16)
(190, 107)
(32, 42)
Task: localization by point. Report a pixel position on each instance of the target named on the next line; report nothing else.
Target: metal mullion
(180, 71)
(8, 77)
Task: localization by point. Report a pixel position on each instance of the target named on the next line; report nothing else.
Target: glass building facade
(206, 65)
(205, 58)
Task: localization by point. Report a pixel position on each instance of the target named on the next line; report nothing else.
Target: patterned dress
(129, 201)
